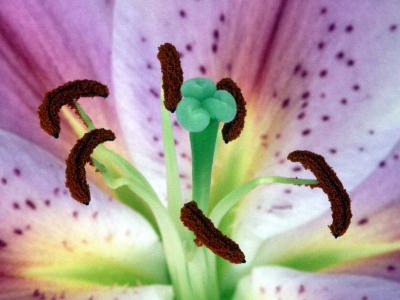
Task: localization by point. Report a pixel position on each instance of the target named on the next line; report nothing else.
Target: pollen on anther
(66, 94)
(331, 185)
(172, 75)
(232, 130)
(78, 157)
(206, 234)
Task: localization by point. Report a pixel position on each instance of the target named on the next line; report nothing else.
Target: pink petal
(43, 45)
(275, 283)
(46, 236)
(28, 290)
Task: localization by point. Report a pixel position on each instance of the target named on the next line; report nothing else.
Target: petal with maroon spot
(12, 289)
(47, 238)
(349, 115)
(371, 246)
(275, 283)
(43, 45)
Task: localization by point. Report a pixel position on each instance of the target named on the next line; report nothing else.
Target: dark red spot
(155, 138)
(304, 105)
(306, 132)
(214, 48)
(349, 28)
(182, 13)
(361, 149)
(323, 11)
(222, 18)
(216, 34)
(332, 151)
(296, 169)
(323, 73)
(356, 87)
(343, 101)
(47, 202)
(143, 39)
(371, 132)
(285, 103)
(364, 298)
(391, 268)
(75, 214)
(16, 205)
(3, 244)
(325, 118)
(393, 27)
(301, 115)
(95, 214)
(149, 66)
(202, 69)
(17, 172)
(296, 68)
(339, 55)
(4, 180)
(362, 221)
(304, 74)
(331, 27)
(395, 156)
(301, 289)
(321, 45)
(36, 293)
(56, 191)
(161, 154)
(18, 231)
(154, 93)
(278, 136)
(189, 47)
(350, 63)
(30, 204)
(305, 95)
(382, 164)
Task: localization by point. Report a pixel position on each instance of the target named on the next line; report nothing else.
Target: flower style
(319, 76)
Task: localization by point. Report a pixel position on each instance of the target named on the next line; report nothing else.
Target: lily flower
(318, 76)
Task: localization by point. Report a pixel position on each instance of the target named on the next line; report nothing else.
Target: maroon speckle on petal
(396, 157)
(278, 289)
(349, 28)
(371, 132)
(343, 101)
(4, 180)
(18, 231)
(305, 95)
(189, 47)
(301, 289)
(216, 34)
(304, 105)
(214, 48)
(393, 27)
(301, 115)
(30, 204)
(17, 172)
(382, 164)
(3, 244)
(222, 18)
(331, 27)
(182, 13)
(339, 55)
(304, 73)
(362, 221)
(323, 11)
(350, 62)
(391, 268)
(161, 154)
(56, 191)
(154, 93)
(332, 151)
(297, 68)
(325, 118)
(75, 214)
(202, 69)
(149, 66)
(364, 298)
(47, 202)
(16, 205)
(321, 45)
(285, 103)
(356, 87)
(36, 293)
(296, 169)
(306, 132)
(323, 73)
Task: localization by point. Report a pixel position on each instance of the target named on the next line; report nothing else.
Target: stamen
(67, 93)
(172, 75)
(232, 130)
(78, 157)
(331, 185)
(206, 234)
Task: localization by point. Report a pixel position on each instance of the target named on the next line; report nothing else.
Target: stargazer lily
(175, 209)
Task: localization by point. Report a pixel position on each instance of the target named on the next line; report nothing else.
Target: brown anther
(80, 154)
(206, 234)
(331, 185)
(67, 93)
(172, 75)
(232, 130)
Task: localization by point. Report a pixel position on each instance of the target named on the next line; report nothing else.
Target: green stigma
(202, 103)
